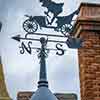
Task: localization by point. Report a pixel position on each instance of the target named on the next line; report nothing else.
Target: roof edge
(89, 4)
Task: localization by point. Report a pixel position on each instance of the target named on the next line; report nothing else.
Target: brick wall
(88, 28)
(89, 62)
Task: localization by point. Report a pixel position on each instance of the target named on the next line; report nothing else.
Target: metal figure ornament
(32, 23)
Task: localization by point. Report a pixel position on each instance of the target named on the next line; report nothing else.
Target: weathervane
(64, 26)
(33, 23)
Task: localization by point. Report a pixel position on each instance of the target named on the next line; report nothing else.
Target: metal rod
(42, 55)
(47, 49)
(45, 35)
(39, 40)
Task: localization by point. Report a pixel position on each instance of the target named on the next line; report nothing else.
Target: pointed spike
(17, 38)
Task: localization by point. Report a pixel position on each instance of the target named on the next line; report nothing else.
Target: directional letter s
(58, 46)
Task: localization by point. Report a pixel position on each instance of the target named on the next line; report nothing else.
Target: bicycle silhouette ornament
(33, 23)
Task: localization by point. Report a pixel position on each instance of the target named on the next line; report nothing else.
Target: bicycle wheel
(30, 26)
(66, 28)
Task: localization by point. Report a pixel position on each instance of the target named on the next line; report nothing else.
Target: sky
(22, 71)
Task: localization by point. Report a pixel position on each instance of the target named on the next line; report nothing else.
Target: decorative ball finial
(42, 40)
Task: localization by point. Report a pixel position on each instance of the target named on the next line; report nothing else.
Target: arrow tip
(17, 38)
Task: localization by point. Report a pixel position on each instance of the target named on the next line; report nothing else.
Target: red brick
(89, 54)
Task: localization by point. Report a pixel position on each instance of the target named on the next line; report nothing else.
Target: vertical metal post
(42, 55)
(43, 92)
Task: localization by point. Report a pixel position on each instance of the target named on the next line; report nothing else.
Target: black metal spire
(42, 55)
(43, 93)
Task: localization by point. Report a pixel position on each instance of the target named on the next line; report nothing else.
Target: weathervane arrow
(17, 38)
(71, 42)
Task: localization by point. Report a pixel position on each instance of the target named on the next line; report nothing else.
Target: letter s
(59, 48)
